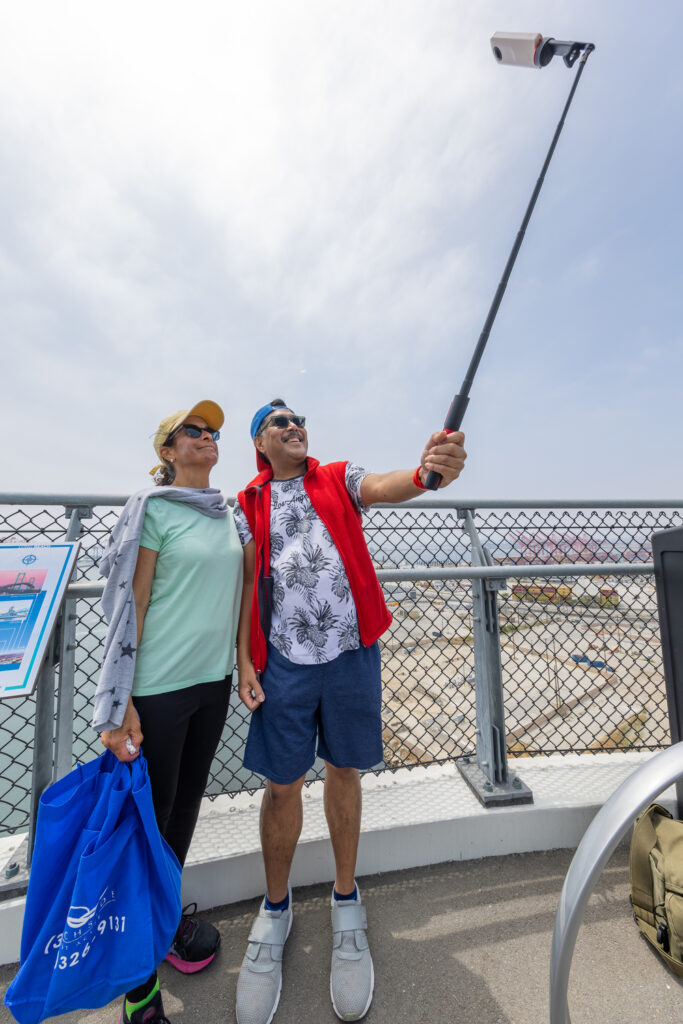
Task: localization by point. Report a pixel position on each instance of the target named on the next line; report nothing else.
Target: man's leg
(343, 803)
(281, 819)
(352, 975)
(280, 746)
(260, 979)
(350, 735)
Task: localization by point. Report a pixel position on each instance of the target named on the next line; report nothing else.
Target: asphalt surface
(466, 942)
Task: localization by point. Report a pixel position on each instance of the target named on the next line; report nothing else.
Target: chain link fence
(581, 657)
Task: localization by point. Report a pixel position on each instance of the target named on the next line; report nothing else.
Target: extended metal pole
(458, 406)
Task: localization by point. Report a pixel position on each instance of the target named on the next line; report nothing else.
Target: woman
(174, 568)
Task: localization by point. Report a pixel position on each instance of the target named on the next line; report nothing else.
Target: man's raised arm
(443, 453)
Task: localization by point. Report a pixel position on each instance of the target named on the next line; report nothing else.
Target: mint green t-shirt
(190, 626)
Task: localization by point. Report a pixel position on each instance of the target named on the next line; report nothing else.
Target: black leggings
(181, 730)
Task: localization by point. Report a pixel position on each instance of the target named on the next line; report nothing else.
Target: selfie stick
(523, 50)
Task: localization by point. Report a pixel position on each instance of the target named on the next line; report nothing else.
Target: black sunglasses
(193, 431)
(283, 421)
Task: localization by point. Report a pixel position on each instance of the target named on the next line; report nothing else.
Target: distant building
(534, 590)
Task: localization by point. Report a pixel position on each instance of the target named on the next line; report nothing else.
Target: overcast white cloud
(317, 200)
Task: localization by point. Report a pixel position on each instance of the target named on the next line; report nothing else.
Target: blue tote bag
(103, 901)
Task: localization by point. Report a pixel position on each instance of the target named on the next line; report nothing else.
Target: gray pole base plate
(14, 873)
(494, 794)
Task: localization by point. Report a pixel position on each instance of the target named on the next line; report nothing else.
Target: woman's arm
(248, 688)
(142, 585)
(116, 739)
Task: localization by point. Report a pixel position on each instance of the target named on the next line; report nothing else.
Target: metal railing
(577, 633)
(607, 829)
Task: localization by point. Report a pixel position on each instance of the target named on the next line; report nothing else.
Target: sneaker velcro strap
(258, 967)
(360, 942)
(349, 917)
(269, 930)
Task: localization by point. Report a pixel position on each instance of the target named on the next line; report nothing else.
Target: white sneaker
(352, 976)
(260, 980)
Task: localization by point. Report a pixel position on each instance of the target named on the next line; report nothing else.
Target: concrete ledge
(11, 920)
(414, 817)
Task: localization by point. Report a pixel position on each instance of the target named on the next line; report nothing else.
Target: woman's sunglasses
(193, 431)
(284, 421)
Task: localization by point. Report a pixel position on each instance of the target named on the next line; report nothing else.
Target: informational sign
(33, 579)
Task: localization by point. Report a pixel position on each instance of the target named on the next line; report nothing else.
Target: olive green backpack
(656, 870)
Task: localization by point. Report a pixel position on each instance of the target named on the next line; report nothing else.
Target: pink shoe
(195, 944)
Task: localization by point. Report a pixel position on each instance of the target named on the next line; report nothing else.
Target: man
(309, 670)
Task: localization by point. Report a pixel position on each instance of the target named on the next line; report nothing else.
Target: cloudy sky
(316, 199)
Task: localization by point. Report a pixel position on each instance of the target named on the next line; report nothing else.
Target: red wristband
(416, 479)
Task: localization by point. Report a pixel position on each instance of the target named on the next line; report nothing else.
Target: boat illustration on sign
(13, 614)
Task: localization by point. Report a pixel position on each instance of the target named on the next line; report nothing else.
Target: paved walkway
(465, 942)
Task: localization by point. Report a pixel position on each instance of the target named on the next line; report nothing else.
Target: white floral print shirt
(314, 617)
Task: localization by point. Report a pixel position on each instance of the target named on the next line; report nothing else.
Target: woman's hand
(248, 688)
(125, 741)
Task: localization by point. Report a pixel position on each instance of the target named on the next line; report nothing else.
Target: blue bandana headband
(261, 414)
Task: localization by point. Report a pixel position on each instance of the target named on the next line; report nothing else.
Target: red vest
(326, 487)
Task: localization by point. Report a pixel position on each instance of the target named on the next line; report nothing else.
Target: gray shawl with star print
(118, 565)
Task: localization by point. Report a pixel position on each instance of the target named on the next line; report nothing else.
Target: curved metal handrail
(602, 836)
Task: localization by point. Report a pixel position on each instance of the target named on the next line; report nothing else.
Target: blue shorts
(338, 703)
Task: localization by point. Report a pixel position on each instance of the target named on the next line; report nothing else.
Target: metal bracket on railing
(489, 778)
(74, 513)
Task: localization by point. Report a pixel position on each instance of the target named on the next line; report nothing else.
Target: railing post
(489, 778)
(41, 776)
(52, 744)
(67, 659)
